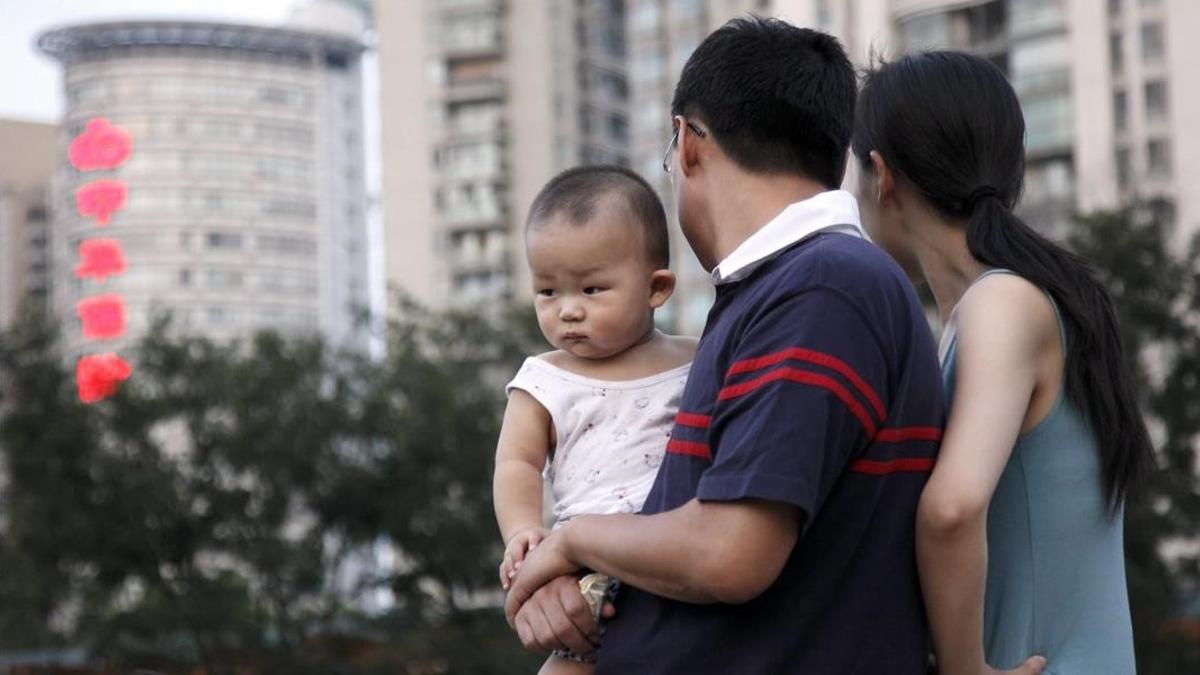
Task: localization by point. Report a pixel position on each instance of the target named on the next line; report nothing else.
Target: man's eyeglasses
(675, 139)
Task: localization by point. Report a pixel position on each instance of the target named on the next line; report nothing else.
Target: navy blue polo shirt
(816, 383)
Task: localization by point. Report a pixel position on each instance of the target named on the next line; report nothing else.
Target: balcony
(483, 89)
(455, 7)
(464, 131)
(472, 219)
(472, 45)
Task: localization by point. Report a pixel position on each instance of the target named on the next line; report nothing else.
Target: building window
(1162, 211)
(1120, 110)
(683, 52)
(223, 280)
(925, 31)
(1156, 101)
(287, 245)
(1153, 46)
(1124, 168)
(648, 68)
(1114, 7)
(185, 277)
(464, 71)
(479, 32)
(823, 16)
(618, 128)
(687, 10)
(226, 241)
(1027, 17)
(1049, 182)
(1048, 123)
(1158, 158)
(1116, 57)
(646, 16)
(220, 316)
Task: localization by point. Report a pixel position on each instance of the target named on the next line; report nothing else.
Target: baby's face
(592, 282)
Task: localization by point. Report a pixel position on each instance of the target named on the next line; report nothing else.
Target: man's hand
(557, 617)
(515, 551)
(541, 565)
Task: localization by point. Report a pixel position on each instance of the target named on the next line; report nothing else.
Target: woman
(1019, 530)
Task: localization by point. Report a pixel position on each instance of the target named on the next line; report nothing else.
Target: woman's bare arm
(1003, 326)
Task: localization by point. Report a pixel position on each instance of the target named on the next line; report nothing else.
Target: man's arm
(702, 552)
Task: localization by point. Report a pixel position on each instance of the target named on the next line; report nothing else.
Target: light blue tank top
(1056, 562)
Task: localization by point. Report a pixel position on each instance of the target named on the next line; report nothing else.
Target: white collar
(835, 210)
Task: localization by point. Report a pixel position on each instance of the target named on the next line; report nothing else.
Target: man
(778, 537)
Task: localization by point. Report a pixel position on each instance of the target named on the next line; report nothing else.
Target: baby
(598, 409)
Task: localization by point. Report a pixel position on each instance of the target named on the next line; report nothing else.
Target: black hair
(777, 98)
(576, 192)
(950, 124)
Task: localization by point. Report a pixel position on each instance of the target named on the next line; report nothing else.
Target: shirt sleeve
(802, 398)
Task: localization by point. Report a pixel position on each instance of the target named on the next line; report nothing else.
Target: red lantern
(100, 146)
(97, 376)
(100, 199)
(100, 259)
(103, 317)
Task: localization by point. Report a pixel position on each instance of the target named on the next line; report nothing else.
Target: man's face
(691, 203)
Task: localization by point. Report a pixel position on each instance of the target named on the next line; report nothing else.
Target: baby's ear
(662, 285)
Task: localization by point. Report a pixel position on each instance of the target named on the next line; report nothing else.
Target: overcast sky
(30, 83)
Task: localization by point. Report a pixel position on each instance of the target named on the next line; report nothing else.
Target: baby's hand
(514, 553)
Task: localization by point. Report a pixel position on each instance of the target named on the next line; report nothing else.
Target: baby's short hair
(575, 193)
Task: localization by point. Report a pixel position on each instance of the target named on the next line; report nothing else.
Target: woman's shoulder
(1007, 307)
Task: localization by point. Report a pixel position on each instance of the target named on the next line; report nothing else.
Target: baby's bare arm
(520, 458)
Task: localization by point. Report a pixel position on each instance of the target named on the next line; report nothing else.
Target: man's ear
(885, 189)
(688, 147)
(662, 285)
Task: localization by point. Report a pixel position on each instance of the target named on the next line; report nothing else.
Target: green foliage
(236, 505)
(1156, 291)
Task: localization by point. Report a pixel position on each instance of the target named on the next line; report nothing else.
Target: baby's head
(599, 253)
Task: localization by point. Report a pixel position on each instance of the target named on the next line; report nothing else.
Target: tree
(228, 506)
(1157, 296)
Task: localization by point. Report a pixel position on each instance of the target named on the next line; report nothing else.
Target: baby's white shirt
(611, 435)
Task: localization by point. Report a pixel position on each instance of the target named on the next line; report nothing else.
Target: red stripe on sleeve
(818, 358)
(902, 434)
(882, 468)
(803, 377)
(679, 447)
(693, 420)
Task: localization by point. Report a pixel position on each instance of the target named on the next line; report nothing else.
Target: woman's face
(884, 220)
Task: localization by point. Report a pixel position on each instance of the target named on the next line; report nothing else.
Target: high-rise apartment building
(245, 184)
(1104, 87)
(482, 101)
(1109, 106)
(26, 168)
